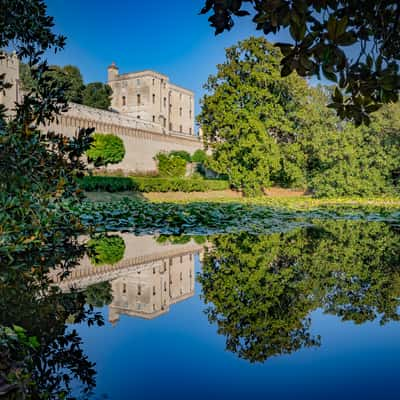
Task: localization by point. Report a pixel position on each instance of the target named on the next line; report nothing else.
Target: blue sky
(166, 36)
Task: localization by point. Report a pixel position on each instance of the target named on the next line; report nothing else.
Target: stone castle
(148, 112)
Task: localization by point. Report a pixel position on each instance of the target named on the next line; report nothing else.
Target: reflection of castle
(149, 278)
(149, 293)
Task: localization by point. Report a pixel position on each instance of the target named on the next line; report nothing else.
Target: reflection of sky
(179, 355)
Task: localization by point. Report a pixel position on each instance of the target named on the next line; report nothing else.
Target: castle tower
(112, 72)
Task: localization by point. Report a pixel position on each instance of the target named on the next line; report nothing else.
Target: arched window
(154, 98)
(123, 100)
(138, 99)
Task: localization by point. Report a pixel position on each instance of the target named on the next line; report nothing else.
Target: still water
(306, 314)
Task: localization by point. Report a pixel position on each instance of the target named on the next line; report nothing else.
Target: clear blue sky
(166, 36)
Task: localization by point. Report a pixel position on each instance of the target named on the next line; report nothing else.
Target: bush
(106, 149)
(107, 184)
(143, 184)
(199, 156)
(106, 249)
(182, 154)
(170, 165)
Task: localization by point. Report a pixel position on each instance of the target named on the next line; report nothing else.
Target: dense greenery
(99, 294)
(95, 94)
(143, 184)
(105, 149)
(106, 249)
(321, 31)
(262, 289)
(199, 156)
(182, 154)
(171, 165)
(264, 129)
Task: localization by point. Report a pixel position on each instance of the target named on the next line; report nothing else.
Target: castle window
(154, 307)
(154, 118)
(180, 111)
(165, 122)
(180, 96)
(154, 271)
(180, 276)
(165, 102)
(138, 117)
(138, 99)
(123, 100)
(124, 288)
(154, 290)
(190, 130)
(181, 260)
(139, 290)
(170, 262)
(190, 113)
(165, 286)
(170, 126)
(154, 81)
(180, 128)
(154, 97)
(138, 82)
(190, 257)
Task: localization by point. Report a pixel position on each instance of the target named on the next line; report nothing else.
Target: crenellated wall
(142, 140)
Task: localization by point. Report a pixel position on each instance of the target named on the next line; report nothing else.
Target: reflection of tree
(106, 249)
(261, 289)
(59, 357)
(99, 295)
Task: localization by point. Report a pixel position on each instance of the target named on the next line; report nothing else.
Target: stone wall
(142, 140)
(9, 65)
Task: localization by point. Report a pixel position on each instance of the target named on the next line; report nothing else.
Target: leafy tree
(321, 32)
(170, 165)
(106, 249)
(97, 95)
(249, 118)
(106, 148)
(199, 156)
(182, 154)
(38, 172)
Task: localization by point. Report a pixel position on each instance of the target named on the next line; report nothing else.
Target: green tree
(105, 149)
(99, 295)
(320, 33)
(199, 156)
(249, 118)
(170, 165)
(97, 95)
(182, 154)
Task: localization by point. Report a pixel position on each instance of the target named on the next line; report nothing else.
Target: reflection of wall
(149, 278)
(150, 292)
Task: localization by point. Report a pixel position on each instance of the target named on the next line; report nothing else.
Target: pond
(307, 313)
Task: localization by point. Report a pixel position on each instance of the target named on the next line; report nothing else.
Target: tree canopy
(105, 149)
(354, 43)
(264, 129)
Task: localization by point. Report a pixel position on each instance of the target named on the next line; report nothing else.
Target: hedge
(144, 184)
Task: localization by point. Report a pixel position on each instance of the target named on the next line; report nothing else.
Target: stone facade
(151, 97)
(143, 137)
(9, 66)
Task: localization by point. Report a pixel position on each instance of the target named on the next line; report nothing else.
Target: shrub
(170, 165)
(106, 249)
(182, 154)
(144, 184)
(107, 184)
(106, 149)
(199, 156)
